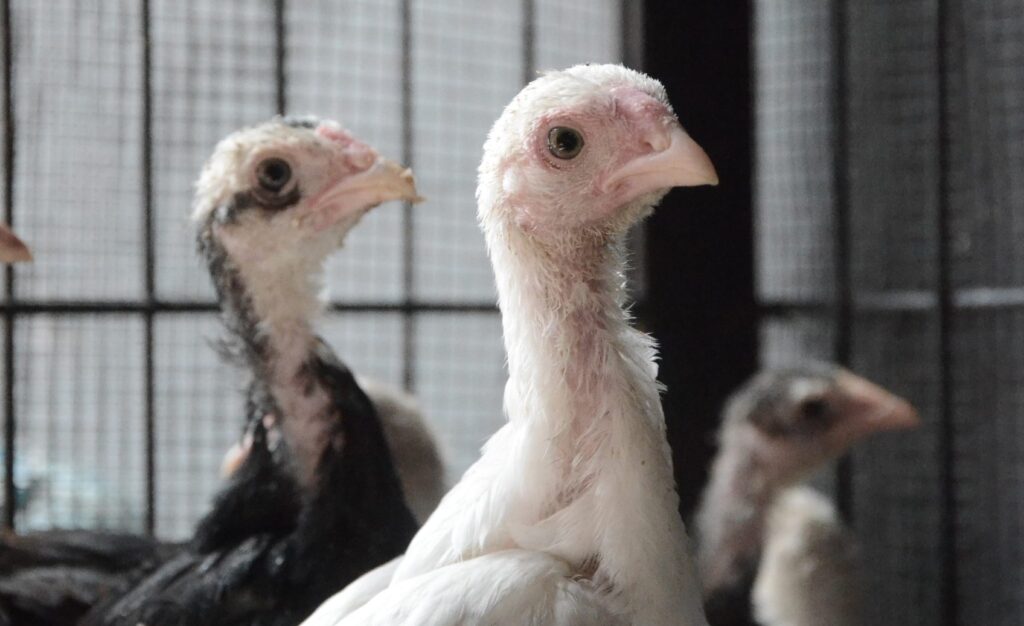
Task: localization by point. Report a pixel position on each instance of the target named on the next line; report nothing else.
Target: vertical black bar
(279, 57)
(8, 147)
(947, 459)
(408, 250)
(150, 262)
(843, 348)
(529, 40)
(703, 310)
(631, 41)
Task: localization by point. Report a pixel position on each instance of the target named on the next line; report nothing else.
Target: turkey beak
(384, 180)
(674, 160)
(12, 248)
(868, 409)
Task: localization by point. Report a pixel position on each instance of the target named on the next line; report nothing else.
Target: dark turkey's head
(292, 188)
(796, 419)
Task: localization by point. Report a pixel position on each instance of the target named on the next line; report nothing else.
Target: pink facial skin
(625, 136)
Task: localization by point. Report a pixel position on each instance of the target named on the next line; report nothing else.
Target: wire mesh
(989, 399)
(897, 494)
(466, 65)
(80, 437)
(794, 179)
(77, 178)
(986, 196)
(577, 31)
(213, 71)
(452, 349)
(894, 168)
(199, 416)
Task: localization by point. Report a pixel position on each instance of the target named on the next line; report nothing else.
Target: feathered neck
(563, 320)
(269, 308)
(585, 455)
(733, 511)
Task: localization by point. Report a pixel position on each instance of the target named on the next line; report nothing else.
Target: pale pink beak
(869, 409)
(375, 180)
(675, 160)
(12, 249)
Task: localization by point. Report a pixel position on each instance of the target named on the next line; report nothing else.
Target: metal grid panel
(213, 70)
(988, 382)
(80, 437)
(577, 31)
(199, 415)
(795, 339)
(897, 491)
(794, 181)
(344, 61)
(451, 350)
(467, 63)
(369, 343)
(985, 94)
(77, 177)
(893, 163)
(986, 134)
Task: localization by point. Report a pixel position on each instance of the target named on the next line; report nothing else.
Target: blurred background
(871, 211)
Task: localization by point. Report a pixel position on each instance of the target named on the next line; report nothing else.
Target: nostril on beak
(657, 142)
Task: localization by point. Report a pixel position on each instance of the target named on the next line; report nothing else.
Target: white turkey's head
(292, 187)
(589, 149)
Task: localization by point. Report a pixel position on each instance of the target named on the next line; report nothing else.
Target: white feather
(511, 587)
(810, 573)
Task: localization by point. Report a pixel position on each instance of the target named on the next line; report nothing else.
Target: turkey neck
(268, 309)
(564, 325)
(733, 513)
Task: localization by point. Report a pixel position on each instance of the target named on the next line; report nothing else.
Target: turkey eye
(564, 142)
(273, 174)
(814, 408)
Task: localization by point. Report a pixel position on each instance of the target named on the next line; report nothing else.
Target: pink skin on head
(364, 179)
(358, 155)
(633, 145)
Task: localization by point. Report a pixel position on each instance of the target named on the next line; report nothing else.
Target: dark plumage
(54, 577)
(774, 552)
(316, 500)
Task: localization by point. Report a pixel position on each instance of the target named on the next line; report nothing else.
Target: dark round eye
(815, 408)
(273, 174)
(564, 142)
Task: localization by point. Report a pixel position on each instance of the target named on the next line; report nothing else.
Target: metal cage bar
(9, 316)
(149, 258)
(843, 272)
(945, 309)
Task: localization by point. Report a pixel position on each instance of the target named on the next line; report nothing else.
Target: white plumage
(811, 572)
(569, 517)
(415, 450)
